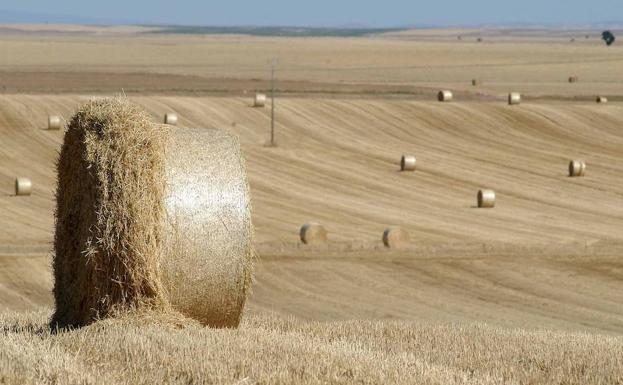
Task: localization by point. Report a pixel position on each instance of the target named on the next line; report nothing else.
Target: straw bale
(170, 118)
(407, 163)
(313, 233)
(444, 96)
(577, 168)
(396, 238)
(514, 98)
(601, 99)
(54, 122)
(23, 187)
(149, 217)
(486, 198)
(259, 100)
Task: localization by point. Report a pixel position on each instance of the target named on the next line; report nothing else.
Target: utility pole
(274, 63)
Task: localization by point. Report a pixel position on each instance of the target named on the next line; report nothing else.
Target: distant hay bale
(396, 238)
(476, 82)
(514, 98)
(602, 99)
(149, 217)
(23, 187)
(259, 100)
(407, 163)
(573, 79)
(480, 39)
(486, 198)
(54, 122)
(444, 96)
(313, 233)
(577, 168)
(170, 118)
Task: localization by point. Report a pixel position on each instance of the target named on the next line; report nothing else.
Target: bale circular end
(486, 198)
(396, 238)
(407, 163)
(259, 100)
(170, 118)
(313, 233)
(514, 98)
(54, 122)
(23, 187)
(601, 99)
(149, 217)
(444, 96)
(577, 168)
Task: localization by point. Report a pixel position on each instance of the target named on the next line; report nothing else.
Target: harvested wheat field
(527, 292)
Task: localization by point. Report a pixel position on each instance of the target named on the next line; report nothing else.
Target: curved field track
(546, 255)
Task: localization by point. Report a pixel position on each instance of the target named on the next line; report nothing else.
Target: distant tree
(608, 37)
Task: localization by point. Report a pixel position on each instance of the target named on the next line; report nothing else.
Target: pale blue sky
(386, 13)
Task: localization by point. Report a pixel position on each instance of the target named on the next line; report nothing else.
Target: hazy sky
(331, 12)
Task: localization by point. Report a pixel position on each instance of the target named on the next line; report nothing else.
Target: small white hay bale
(445, 96)
(313, 233)
(602, 99)
(170, 118)
(23, 187)
(396, 238)
(577, 168)
(486, 198)
(573, 79)
(514, 98)
(407, 163)
(54, 122)
(259, 101)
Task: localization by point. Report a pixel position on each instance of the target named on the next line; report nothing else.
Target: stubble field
(528, 292)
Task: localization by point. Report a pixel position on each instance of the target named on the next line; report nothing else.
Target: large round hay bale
(577, 168)
(149, 217)
(23, 187)
(514, 98)
(476, 82)
(313, 233)
(259, 100)
(396, 238)
(407, 163)
(601, 99)
(444, 96)
(573, 79)
(54, 122)
(486, 198)
(170, 118)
